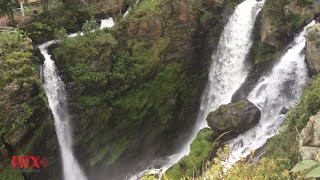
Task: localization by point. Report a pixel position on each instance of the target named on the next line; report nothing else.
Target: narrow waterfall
(273, 94)
(55, 90)
(227, 72)
(56, 93)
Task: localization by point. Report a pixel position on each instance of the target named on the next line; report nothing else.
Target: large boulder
(309, 142)
(313, 48)
(236, 117)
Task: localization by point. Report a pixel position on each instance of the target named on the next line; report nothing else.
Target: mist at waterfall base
(228, 70)
(277, 91)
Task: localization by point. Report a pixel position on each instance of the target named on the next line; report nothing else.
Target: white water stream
(280, 89)
(55, 90)
(227, 72)
(56, 93)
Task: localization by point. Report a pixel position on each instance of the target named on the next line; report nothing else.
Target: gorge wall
(135, 89)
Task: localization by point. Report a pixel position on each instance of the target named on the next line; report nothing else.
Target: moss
(192, 164)
(23, 103)
(144, 93)
(8, 173)
(264, 52)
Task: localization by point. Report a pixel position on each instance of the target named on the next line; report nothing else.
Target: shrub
(89, 26)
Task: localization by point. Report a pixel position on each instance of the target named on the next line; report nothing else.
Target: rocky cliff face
(26, 127)
(313, 48)
(281, 19)
(309, 142)
(134, 87)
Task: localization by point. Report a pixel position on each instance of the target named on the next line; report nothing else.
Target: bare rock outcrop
(313, 48)
(309, 142)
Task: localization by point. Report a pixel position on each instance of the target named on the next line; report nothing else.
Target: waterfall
(275, 92)
(56, 93)
(227, 72)
(107, 23)
(55, 90)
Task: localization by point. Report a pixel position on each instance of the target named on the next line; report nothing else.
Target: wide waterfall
(55, 90)
(274, 93)
(227, 72)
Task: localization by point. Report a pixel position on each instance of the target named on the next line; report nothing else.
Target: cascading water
(55, 90)
(107, 23)
(56, 93)
(227, 72)
(279, 90)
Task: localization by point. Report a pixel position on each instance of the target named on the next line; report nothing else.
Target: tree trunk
(22, 8)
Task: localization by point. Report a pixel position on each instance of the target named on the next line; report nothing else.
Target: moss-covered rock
(26, 127)
(194, 163)
(313, 48)
(236, 117)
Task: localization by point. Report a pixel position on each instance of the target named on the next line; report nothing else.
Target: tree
(71, 3)
(7, 7)
(45, 5)
(21, 2)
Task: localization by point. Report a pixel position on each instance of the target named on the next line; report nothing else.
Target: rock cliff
(313, 48)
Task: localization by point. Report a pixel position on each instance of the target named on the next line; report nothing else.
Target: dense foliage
(24, 122)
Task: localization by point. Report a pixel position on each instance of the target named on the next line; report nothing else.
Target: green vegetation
(47, 23)
(24, 121)
(126, 86)
(285, 144)
(285, 24)
(264, 52)
(90, 26)
(6, 6)
(18, 72)
(265, 169)
(193, 164)
(307, 169)
(245, 169)
(281, 19)
(306, 2)
(282, 151)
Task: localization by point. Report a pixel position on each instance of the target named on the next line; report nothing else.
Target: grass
(192, 164)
